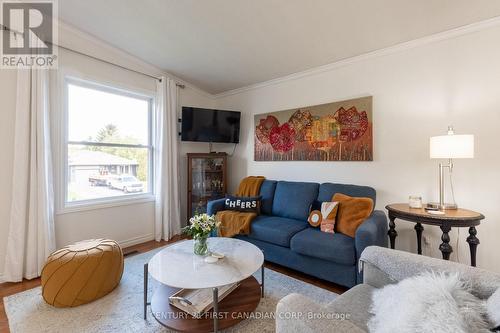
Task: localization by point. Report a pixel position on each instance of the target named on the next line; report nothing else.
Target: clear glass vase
(201, 245)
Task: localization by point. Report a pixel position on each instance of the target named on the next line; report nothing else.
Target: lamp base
(446, 206)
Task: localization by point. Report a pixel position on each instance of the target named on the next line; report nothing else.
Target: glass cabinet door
(207, 182)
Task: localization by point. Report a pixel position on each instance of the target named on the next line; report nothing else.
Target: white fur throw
(431, 302)
(494, 308)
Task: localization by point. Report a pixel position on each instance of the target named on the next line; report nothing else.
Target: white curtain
(167, 212)
(31, 236)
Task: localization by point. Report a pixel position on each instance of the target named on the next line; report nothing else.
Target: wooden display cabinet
(207, 180)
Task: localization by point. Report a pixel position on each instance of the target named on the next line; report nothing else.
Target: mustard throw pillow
(351, 213)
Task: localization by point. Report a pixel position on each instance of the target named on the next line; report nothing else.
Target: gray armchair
(349, 312)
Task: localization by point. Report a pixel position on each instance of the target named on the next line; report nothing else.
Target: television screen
(207, 125)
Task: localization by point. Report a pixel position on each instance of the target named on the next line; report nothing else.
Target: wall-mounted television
(208, 125)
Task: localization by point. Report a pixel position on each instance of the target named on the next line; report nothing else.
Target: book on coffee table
(197, 302)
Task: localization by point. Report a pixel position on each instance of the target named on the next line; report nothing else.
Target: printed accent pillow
(315, 218)
(243, 204)
(325, 218)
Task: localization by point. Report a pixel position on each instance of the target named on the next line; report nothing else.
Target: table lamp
(449, 146)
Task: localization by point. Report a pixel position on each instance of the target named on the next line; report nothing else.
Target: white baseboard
(136, 240)
(123, 244)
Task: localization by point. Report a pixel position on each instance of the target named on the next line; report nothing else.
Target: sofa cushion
(267, 194)
(275, 230)
(336, 247)
(327, 190)
(293, 199)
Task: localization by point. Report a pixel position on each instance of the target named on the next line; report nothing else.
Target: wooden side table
(452, 218)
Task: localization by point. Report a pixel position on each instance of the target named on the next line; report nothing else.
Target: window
(108, 144)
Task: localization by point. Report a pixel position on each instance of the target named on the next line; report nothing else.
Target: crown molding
(441, 36)
(140, 63)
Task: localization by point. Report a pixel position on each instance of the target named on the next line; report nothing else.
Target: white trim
(136, 240)
(82, 206)
(113, 87)
(64, 206)
(153, 70)
(441, 36)
(124, 244)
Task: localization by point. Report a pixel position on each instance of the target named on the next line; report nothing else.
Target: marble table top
(177, 266)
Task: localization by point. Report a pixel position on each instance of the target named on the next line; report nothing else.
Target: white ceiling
(219, 45)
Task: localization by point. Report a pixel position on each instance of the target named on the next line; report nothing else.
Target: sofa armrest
(298, 314)
(382, 266)
(215, 205)
(373, 231)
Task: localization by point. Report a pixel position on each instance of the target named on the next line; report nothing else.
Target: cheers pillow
(242, 204)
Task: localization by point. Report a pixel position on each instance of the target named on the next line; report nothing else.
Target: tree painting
(338, 131)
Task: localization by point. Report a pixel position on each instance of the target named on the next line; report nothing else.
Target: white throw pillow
(494, 308)
(430, 302)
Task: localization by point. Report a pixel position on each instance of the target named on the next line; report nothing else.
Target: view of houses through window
(109, 142)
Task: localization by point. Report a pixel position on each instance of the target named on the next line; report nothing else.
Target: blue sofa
(283, 233)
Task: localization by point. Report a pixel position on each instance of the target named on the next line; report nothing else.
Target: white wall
(129, 224)
(417, 92)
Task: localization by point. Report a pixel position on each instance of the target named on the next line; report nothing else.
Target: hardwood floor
(7, 289)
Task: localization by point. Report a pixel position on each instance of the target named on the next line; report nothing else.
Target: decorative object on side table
(449, 146)
(451, 218)
(200, 227)
(415, 201)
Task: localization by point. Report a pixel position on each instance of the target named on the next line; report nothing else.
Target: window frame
(66, 206)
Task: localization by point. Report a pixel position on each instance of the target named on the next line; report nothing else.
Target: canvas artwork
(338, 131)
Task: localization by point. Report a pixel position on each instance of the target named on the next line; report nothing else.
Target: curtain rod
(182, 86)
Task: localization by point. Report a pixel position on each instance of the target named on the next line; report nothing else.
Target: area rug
(121, 310)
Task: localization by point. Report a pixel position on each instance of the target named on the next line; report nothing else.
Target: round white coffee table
(177, 267)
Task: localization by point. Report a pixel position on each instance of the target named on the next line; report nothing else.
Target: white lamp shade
(452, 146)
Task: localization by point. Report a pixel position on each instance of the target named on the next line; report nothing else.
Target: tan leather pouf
(82, 272)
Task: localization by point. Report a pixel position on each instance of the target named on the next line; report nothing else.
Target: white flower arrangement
(201, 225)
